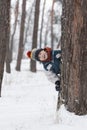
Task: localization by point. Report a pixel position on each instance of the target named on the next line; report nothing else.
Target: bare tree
(52, 14)
(74, 55)
(14, 29)
(35, 34)
(41, 30)
(46, 32)
(4, 34)
(28, 23)
(21, 40)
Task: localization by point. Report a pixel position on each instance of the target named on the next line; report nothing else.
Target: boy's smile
(42, 55)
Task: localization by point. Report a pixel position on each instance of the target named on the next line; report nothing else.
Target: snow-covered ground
(29, 101)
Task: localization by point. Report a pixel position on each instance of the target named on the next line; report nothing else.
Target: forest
(58, 24)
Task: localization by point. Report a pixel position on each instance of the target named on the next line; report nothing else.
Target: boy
(51, 60)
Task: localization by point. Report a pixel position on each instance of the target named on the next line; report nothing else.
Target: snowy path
(29, 103)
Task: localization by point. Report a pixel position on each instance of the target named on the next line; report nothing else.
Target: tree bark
(35, 34)
(21, 40)
(8, 68)
(4, 34)
(74, 55)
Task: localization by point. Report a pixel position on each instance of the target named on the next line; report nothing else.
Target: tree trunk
(52, 14)
(41, 30)
(4, 34)
(21, 40)
(14, 29)
(28, 23)
(74, 55)
(46, 32)
(8, 68)
(35, 34)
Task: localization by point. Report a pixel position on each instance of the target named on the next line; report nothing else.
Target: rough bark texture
(35, 34)
(4, 22)
(8, 68)
(74, 55)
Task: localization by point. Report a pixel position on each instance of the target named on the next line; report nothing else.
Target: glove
(57, 82)
(57, 87)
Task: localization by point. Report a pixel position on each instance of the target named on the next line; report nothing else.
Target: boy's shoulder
(57, 51)
(56, 54)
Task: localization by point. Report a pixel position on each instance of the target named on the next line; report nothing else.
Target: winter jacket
(53, 67)
(54, 64)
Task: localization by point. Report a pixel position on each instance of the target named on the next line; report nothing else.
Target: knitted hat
(34, 54)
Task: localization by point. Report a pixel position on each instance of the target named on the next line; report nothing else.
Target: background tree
(21, 39)
(35, 34)
(16, 11)
(52, 35)
(46, 32)
(4, 34)
(28, 23)
(53, 21)
(42, 23)
(74, 55)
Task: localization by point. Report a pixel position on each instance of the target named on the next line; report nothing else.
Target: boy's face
(42, 55)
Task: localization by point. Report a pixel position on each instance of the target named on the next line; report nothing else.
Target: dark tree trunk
(8, 68)
(74, 55)
(21, 40)
(4, 34)
(35, 34)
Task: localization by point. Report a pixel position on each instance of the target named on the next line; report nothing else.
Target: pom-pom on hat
(34, 54)
(29, 54)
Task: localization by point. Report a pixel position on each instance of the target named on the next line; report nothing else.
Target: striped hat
(34, 54)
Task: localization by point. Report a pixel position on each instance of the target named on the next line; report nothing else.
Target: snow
(29, 101)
